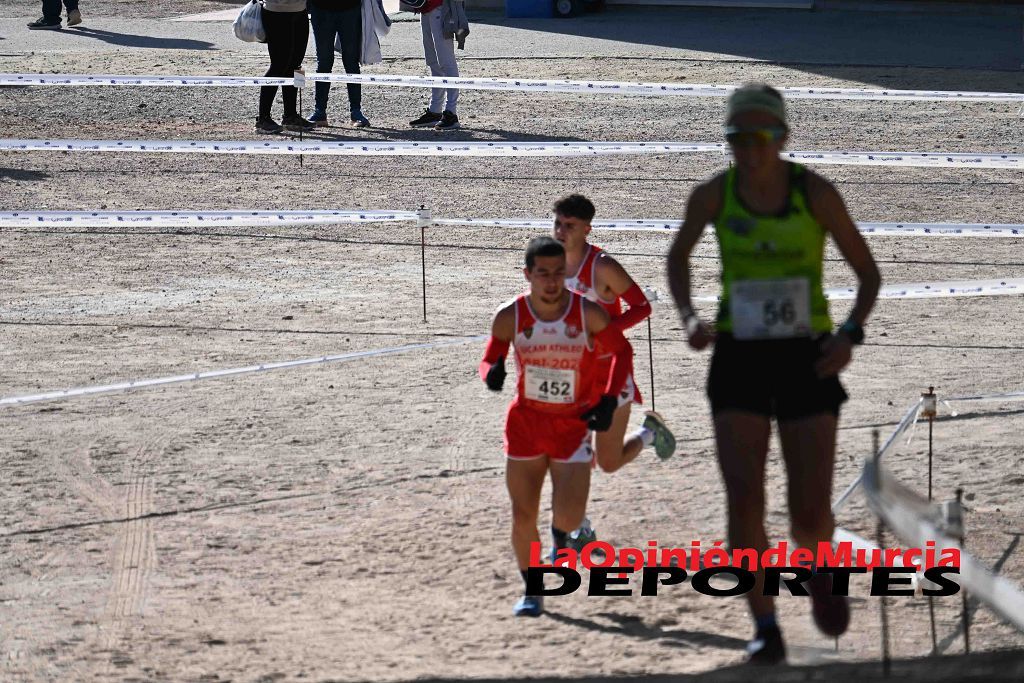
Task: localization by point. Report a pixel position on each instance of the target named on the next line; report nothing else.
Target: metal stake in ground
(650, 354)
(423, 218)
(886, 664)
(929, 405)
(963, 593)
(652, 295)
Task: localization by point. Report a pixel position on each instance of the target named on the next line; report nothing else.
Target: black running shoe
(267, 125)
(428, 118)
(44, 24)
(767, 647)
(296, 122)
(831, 612)
(449, 121)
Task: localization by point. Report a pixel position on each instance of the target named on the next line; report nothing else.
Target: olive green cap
(756, 97)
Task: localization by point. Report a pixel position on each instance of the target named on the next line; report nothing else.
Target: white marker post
(423, 220)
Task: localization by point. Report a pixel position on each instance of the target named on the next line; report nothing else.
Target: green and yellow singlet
(771, 267)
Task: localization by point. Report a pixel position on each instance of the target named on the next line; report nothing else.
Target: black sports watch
(853, 331)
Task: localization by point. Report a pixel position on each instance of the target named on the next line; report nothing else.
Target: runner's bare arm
(828, 208)
(830, 211)
(600, 329)
(701, 209)
(611, 275)
(610, 338)
(492, 367)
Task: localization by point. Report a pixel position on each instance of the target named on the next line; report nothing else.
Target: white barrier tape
(935, 290)
(220, 374)
(943, 229)
(12, 219)
(473, 149)
(1011, 396)
(916, 522)
(145, 80)
(625, 224)
(910, 159)
(908, 420)
(506, 149)
(173, 219)
(922, 290)
(672, 225)
(512, 84)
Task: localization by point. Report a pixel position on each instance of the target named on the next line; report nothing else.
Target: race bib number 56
(550, 385)
(770, 309)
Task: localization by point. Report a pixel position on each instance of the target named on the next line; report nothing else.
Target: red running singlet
(555, 360)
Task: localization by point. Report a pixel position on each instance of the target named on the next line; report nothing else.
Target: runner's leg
(613, 448)
(525, 479)
(570, 482)
(742, 440)
(809, 447)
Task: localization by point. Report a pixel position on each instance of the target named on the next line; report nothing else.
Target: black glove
(496, 375)
(599, 418)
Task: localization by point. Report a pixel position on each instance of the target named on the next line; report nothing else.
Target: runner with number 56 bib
(775, 353)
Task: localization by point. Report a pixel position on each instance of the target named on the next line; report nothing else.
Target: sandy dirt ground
(349, 521)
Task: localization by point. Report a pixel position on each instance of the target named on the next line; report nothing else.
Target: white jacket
(376, 18)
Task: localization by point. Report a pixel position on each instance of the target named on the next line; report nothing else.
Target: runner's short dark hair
(575, 206)
(542, 246)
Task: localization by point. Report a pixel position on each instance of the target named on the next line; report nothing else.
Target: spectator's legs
(350, 27)
(324, 29)
(430, 56)
(440, 55)
(299, 32)
(279, 46)
(287, 34)
(51, 10)
(70, 5)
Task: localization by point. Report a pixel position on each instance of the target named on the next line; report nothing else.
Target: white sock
(645, 435)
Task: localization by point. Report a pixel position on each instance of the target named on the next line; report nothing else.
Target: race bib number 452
(770, 309)
(550, 385)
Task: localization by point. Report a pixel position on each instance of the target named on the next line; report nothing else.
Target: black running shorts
(771, 377)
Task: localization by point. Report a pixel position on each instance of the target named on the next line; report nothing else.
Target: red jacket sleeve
(611, 339)
(639, 309)
(496, 350)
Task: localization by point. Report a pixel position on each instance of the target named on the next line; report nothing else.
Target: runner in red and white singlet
(559, 396)
(583, 283)
(601, 279)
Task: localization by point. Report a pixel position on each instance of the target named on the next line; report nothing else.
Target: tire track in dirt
(134, 555)
(74, 476)
(459, 492)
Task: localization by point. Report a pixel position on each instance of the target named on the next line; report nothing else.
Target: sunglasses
(753, 137)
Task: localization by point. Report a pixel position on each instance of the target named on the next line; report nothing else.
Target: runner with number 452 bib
(554, 332)
(775, 353)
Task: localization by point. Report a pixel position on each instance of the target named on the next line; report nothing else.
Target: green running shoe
(582, 536)
(664, 441)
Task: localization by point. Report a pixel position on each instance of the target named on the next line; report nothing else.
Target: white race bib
(550, 385)
(770, 309)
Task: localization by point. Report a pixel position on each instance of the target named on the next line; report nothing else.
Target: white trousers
(440, 55)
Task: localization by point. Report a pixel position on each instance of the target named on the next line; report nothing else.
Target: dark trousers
(51, 8)
(287, 35)
(348, 24)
